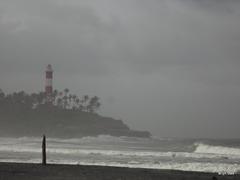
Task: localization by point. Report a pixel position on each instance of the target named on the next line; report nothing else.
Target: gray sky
(167, 66)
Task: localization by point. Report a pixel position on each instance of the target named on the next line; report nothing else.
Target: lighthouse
(49, 76)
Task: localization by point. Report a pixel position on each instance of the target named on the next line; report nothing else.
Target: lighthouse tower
(49, 76)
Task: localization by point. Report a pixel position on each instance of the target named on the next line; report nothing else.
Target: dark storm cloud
(56, 34)
(171, 67)
(220, 6)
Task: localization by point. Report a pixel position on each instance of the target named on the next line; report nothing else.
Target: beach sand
(21, 171)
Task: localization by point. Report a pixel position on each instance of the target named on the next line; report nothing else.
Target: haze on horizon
(170, 67)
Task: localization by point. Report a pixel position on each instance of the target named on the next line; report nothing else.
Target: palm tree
(66, 91)
(65, 98)
(54, 95)
(41, 98)
(85, 100)
(2, 95)
(74, 97)
(78, 104)
(59, 103)
(70, 98)
(93, 104)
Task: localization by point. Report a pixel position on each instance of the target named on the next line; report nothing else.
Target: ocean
(204, 155)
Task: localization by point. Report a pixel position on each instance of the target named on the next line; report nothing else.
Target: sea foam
(120, 151)
(209, 149)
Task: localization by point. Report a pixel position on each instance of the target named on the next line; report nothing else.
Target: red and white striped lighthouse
(49, 76)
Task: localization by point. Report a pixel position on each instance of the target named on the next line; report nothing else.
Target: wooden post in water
(44, 157)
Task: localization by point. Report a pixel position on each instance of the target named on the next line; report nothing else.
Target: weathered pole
(44, 157)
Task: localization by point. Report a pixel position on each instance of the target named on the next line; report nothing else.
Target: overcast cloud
(167, 66)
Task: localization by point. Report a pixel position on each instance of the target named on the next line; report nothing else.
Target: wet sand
(21, 171)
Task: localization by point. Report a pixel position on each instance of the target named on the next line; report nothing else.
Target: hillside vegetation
(59, 115)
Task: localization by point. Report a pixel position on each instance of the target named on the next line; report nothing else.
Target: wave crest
(210, 149)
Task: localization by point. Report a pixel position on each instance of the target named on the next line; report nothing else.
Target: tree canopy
(57, 100)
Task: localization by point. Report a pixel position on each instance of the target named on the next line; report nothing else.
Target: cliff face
(65, 124)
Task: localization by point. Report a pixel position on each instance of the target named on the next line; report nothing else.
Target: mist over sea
(204, 155)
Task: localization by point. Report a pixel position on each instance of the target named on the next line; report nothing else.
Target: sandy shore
(21, 171)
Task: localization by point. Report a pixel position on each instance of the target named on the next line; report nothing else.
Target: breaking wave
(209, 149)
(126, 152)
(220, 168)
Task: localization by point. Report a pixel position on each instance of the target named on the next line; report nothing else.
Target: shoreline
(22, 171)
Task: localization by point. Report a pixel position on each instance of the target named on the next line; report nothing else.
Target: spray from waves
(113, 153)
(221, 169)
(58, 146)
(86, 139)
(209, 149)
(102, 139)
(201, 157)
